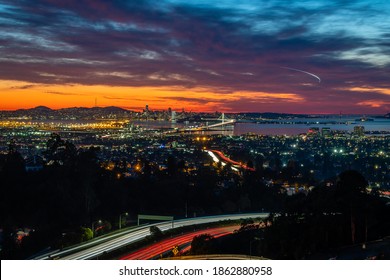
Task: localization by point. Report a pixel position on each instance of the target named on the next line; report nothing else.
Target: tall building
(326, 132)
(173, 116)
(313, 131)
(146, 112)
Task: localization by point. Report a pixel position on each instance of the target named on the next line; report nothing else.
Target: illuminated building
(313, 131)
(326, 132)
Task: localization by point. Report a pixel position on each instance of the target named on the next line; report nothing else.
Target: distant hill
(112, 112)
(39, 109)
(42, 112)
(94, 110)
(270, 115)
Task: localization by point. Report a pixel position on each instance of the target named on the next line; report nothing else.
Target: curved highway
(225, 158)
(183, 241)
(98, 247)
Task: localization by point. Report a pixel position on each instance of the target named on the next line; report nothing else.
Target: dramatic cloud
(236, 55)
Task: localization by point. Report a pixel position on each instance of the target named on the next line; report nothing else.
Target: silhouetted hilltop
(271, 115)
(36, 110)
(43, 112)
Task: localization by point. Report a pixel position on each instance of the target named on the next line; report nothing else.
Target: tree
(247, 224)
(203, 244)
(86, 172)
(250, 164)
(156, 232)
(244, 202)
(85, 234)
(147, 169)
(171, 165)
(350, 188)
(14, 163)
(181, 166)
(60, 151)
(351, 182)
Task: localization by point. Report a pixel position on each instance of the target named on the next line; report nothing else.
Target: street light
(93, 226)
(120, 219)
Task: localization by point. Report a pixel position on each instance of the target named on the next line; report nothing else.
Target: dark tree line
(75, 189)
(317, 225)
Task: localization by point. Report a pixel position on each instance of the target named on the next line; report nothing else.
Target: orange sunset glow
(16, 95)
(207, 56)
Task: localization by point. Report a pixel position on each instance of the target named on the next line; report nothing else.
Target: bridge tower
(173, 117)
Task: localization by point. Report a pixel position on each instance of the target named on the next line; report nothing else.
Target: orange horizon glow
(24, 95)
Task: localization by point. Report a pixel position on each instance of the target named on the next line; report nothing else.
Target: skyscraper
(326, 131)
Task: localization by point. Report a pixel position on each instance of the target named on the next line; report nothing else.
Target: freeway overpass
(226, 159)
(96, 248)
(183, 242)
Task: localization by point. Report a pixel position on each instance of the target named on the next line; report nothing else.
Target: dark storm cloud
(223, 46)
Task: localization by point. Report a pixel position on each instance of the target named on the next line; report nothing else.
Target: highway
(226, 159)
(184, 241)
(98, 247)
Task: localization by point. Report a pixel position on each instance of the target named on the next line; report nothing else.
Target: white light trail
(308, 73)
(136, 234)
(213, 156)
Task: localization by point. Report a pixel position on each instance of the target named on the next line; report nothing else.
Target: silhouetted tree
(85, 234)
(14, 163)
(350, 188)
(60, 152)
(202, 245)
(155, 232)
(171, 165)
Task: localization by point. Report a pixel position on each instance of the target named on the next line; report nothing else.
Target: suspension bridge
(221, 123)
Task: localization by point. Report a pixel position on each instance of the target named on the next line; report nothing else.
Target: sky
(289, 56)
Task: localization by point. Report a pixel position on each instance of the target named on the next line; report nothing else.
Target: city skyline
(308, 57)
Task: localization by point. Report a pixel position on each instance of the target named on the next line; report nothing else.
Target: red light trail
(163, 246)
(222, 156)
